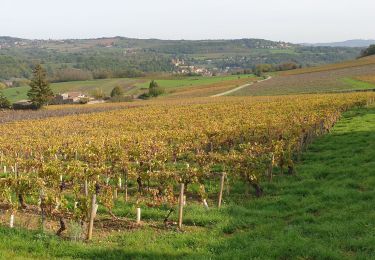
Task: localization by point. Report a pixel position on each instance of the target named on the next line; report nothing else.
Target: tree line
(369, 51)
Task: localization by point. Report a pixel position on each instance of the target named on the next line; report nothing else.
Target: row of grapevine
(57, 164)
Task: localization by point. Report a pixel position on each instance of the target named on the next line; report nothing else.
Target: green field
(325, 211)
(358, 84)
(131, 86)
(170, 84)
(106, 85)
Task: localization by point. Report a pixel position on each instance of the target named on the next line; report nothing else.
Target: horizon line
(182, 39)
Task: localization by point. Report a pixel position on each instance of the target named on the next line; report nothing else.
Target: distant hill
(349, 43)
(86, 59)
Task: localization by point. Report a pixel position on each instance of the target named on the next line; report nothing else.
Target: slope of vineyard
(322, 212)
(156, 147)
(362, 62)
(327, 78)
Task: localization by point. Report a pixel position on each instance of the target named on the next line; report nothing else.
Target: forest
(123, 57)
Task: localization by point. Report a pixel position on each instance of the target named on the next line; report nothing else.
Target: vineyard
(321, 79)
(162, 155)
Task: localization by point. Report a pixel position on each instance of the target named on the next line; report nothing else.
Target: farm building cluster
(182, 68)
(69, 98)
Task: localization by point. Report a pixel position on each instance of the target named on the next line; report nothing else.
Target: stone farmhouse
(68, 98)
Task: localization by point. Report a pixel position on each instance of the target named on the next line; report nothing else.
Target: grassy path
(326, 211)
(240, 87)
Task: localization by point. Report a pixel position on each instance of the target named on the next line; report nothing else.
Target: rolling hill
(349, 43)
(356, 74)
(124, 57)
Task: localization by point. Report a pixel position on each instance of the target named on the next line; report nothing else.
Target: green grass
(132, 86)
(170, 84)
(326, 211)
(15, 94)
(106, 85)
(358, 84)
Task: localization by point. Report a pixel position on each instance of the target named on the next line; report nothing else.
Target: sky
(285, 20)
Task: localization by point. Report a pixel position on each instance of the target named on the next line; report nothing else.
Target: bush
(98, 93)
(84, 100)
(117, 92)
(75, 231)
(25, 106)
(144, 96)
(154, 89)
(4, 102)
(287, 66)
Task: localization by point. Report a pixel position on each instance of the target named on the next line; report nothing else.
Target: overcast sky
(286, 20)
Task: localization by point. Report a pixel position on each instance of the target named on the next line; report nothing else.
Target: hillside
(125, 57)
(350, 75)
(349, 43)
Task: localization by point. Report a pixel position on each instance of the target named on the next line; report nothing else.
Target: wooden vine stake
(126, 193)
(222, 181)
(138, 215)
(205, 204)
(126, 189)
(181, 206)
(94, 208)
(42, 198)
(86, 187)
(11, 222)
(117, 188)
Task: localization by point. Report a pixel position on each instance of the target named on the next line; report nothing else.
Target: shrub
(84, 100)
(154, 89)
(4, 102)
(25, 106)
(117, 92)
(75, 231)
(144, 96)
(98, 93)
